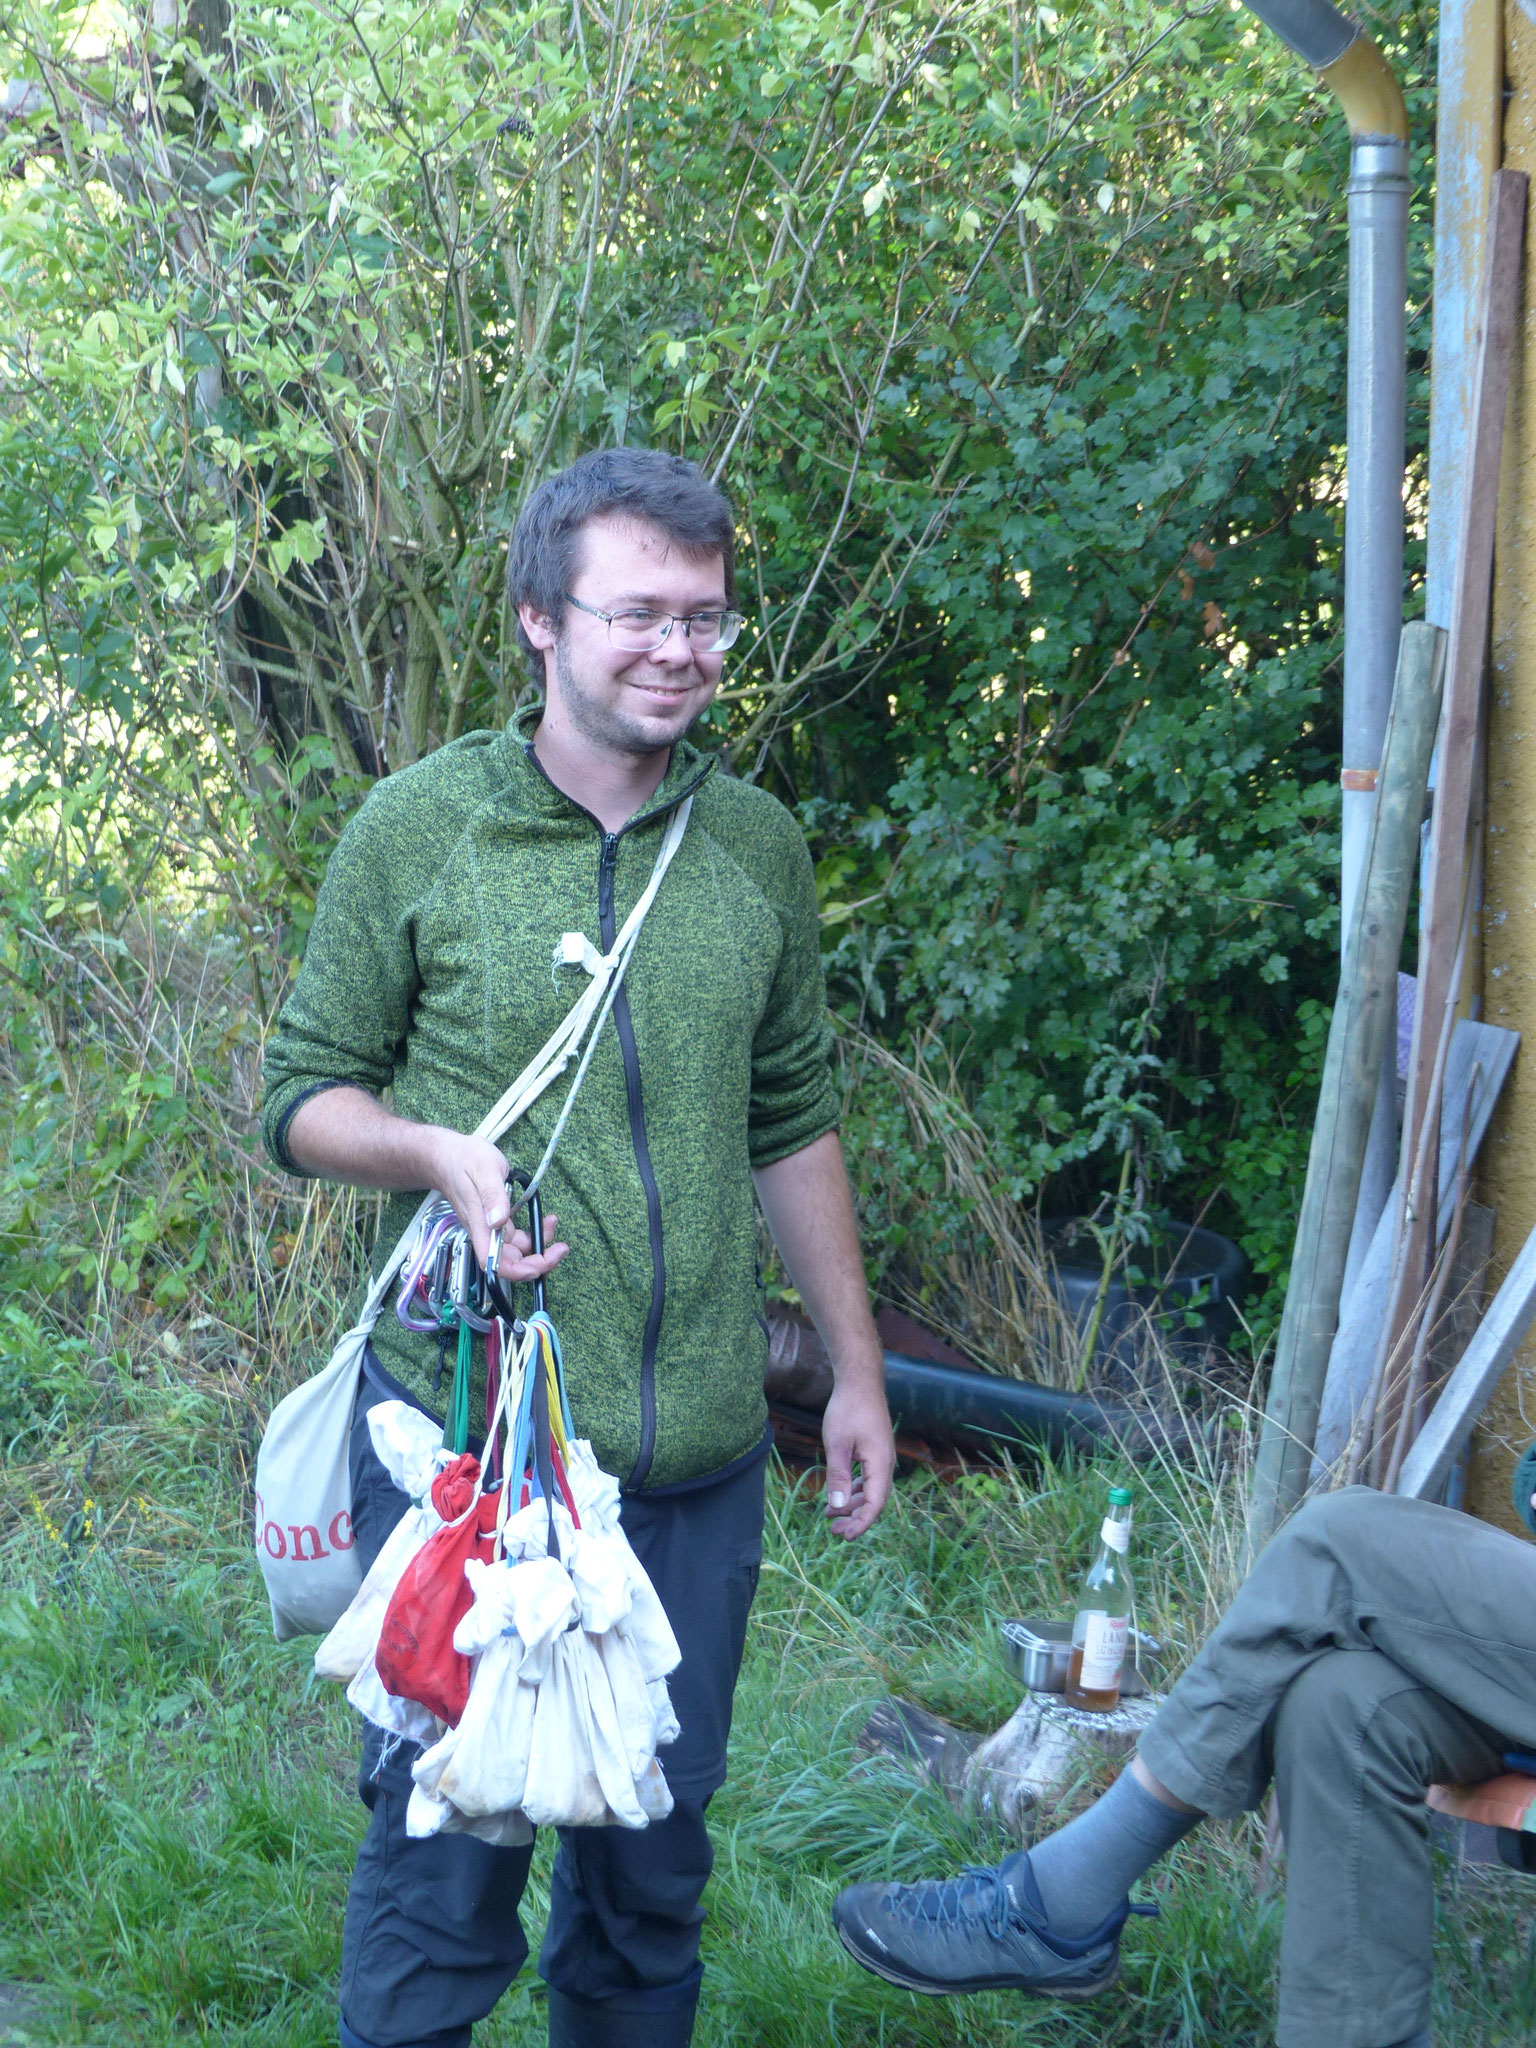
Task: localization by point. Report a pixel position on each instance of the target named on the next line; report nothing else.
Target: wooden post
(1479, 1062)
(1364, 1013)
(1459, 750)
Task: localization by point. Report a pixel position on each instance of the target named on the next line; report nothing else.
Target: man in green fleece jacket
(428, 974)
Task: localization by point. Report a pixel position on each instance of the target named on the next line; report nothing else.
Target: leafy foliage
(1018, 337)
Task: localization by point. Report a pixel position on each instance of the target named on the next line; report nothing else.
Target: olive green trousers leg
(1377, 1646)
(1356, 1741)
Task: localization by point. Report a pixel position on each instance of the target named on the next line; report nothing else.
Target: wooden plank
(1466, 1295)
(1468, 1390)
(1363, 1016)
(1486, 1053)
(1460, 734)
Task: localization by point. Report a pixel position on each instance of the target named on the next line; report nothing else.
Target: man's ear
(539, 627)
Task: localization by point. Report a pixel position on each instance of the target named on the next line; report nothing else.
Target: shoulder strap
(606, 972)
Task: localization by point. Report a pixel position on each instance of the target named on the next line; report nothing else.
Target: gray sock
(1084, 1872)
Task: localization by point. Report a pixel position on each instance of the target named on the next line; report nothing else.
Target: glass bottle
(1103, 1615)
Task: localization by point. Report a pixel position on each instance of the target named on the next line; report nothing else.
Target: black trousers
(433, 1935)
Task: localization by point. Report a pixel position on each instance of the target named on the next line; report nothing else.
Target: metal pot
(1038, 1652)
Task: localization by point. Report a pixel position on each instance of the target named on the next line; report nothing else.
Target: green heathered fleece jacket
(429, 972)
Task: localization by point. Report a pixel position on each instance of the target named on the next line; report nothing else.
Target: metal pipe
(1359, 77)
(1357, 74)
(1373, 532)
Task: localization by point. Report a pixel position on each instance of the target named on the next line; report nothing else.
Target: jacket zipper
(624, 1025)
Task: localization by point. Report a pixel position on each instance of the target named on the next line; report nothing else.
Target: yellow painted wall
(1508, 978)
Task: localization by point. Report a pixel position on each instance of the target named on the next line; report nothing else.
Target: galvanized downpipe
(1354, 70)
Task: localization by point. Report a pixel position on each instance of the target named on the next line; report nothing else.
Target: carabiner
(490, 1283)
(463, 1286)
(517, 1178)
(435, 1281)
(495, 1290)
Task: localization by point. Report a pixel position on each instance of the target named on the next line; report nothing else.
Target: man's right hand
(472, 1174)
(347, 1134)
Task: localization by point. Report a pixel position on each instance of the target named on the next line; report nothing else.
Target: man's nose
(674, 651)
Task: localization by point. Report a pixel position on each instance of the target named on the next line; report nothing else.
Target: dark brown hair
(642, 484)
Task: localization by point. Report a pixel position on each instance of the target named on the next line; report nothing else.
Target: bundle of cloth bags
(514, 1635)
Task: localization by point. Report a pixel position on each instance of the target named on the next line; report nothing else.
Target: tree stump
(1022, 1773)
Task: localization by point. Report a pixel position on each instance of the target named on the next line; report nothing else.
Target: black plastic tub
(1195, 1281)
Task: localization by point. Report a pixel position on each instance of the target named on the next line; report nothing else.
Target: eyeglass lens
(640, 632)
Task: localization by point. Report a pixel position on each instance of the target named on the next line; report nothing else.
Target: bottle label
(1103, 1651)
(1116, 1534)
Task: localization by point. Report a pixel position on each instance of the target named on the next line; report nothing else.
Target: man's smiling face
(625, 703)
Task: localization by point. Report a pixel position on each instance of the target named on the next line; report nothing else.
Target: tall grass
(990, 1292)
(179, 1812)
(992, 1288)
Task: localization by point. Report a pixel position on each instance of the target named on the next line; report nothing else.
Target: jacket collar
(686, 770)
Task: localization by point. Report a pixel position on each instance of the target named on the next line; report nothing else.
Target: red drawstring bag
(416, 1659)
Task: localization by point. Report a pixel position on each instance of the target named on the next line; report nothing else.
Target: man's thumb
(839, 1477)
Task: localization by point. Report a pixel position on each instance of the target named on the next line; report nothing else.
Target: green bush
(1018, 337)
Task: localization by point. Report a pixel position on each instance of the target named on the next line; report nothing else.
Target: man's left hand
(861, 1455)
(806, 1198)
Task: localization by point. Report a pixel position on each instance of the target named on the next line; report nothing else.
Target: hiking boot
(985, 1930)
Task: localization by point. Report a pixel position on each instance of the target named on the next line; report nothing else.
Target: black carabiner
(495, 1293)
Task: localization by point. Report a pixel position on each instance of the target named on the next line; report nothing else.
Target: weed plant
(179, 1811)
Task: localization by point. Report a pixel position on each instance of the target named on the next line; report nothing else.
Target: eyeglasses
(642, 631)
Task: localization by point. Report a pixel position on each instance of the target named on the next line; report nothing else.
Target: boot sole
(1071, 1993)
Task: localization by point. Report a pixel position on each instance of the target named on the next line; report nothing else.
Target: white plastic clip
(577, 950)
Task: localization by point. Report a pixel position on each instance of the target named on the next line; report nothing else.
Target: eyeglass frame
(683, 619)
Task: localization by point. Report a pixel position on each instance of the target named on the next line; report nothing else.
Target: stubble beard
(604, 724)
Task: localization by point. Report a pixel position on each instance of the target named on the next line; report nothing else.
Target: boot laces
(976, 1898)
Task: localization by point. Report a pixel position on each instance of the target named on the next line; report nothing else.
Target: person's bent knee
(1334, 1709)
(1337, 1522)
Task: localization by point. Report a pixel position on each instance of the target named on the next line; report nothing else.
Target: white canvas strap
(605, 973)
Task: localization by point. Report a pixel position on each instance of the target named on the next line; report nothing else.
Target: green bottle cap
(1119, 1496)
